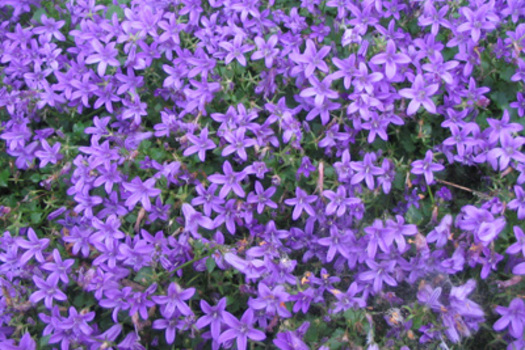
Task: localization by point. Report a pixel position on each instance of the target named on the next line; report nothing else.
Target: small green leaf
(144, 276)
(4, 176)
(36, 218)
(44, 341)
(38, 14)
(115, 9)
(414, 215)
(210, 264)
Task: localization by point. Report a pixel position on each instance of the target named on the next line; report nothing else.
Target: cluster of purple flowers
(272, 125)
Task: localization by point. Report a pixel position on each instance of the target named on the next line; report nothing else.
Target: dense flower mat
(245, 174)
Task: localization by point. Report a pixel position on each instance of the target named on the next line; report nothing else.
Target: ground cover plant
(187, 174)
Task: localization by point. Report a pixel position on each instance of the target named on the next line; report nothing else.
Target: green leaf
(115, 9)
(414, 215)
(144, 276)
(44, 341)
(210, 264)
(36, 217)
(38, 14)
(407, 144)
(4, 176)
(36, 178)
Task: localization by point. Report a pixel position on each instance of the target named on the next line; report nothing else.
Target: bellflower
(236, 50)
(366, 170)
(390, 59)
(261, 197)
(512, 317)
(47, 290)
(49, 155)
(320, 90)
(213, 317)
(301, 202)
(266, 50)
(241, 330)
(420, 94)
(34, 247)
(312, 58)
(200, 145)
(174, 300)
(60, 268)
(104, 55)
(229, 181)
(426, 167)
(140, 192)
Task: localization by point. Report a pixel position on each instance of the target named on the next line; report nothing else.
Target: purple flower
(303, 300)
(168, 323)
(348, 299)
(440, 68)
(338, 201)
(104, 56)
(512, 317)
(347, 68)
(519, 104)
(79, 237)
(230, 181)
(266, 50)
(50, 28)
(488, 231)
(194, 219)
(236, 50)
(461, 304)
(499, 127)
(338, 242)
(430, 297)
(441, 232)
(396, 230)
(34, 247)
(109, 175)
(207, 198)
(518, 203)
(174, 300)
(305, 168)
(508, 151)
(78, 322)
(489, 262)
(60, 268)
(301, 202)
(241, 330)
(481, 18)
(519, 269)
(366, 170)
(289, 341)
(312, 58)
(106, 231)
(365, 81)
(419, 94)
(434, 18)
(390, 59)
(261, 197)
(26, 343)
(515, 248)
(426, 167)
(320, 89)
(271, 300)
(49, 154)
(237, 143)
(47, 290)
(378, 273)
(140, 192)
(213, 317)
(200, 145)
